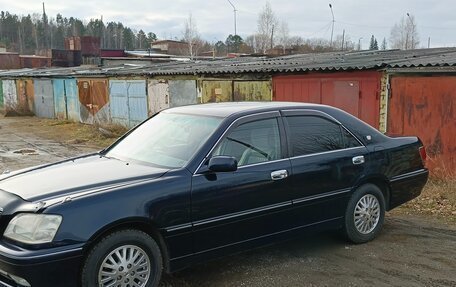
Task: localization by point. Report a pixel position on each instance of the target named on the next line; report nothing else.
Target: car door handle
(358, 160)
(279, 174)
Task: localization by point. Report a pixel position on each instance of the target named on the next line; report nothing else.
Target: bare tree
(283, 36)
(404, 35)
(267, 23)
(191, 36)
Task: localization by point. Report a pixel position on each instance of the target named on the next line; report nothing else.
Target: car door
(254, 200)
(327, 160)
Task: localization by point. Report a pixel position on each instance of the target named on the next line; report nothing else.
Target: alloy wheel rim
(125, 266)
(367, 214)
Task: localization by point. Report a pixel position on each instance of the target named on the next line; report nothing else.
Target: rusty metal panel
(59, 99)
(217, 91)
(85, 100)
(158, 91)
(93, 96)
(355, 92)
(44, 99)
(30, 90)
(252, 91)
(34, 61)
(25, 96)
(425, 107)
(9, 61)
(182, 92)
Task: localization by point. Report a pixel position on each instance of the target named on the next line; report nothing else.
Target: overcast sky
(306, 18)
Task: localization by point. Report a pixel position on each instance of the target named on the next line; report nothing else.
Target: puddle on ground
(21, 152)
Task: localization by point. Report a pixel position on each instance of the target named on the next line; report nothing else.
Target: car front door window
(252, 142)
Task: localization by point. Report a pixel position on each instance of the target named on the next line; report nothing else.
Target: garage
(355, 92)
(128, 100)
(425, 106)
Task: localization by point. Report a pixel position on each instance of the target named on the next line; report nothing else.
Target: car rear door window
(252, 142)
(314, 134)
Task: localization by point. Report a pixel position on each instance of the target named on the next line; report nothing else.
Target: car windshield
(166, 140)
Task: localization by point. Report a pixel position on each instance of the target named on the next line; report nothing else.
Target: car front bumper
(44, 267)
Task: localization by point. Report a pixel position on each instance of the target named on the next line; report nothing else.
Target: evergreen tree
(373, 43)
(384, 46)
(26, 34)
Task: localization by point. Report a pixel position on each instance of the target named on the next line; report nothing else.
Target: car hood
(74, 176)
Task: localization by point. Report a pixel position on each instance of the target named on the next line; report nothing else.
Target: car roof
(227, 109)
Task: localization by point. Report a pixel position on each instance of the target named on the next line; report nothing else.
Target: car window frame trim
(262, 116)
(311, 112)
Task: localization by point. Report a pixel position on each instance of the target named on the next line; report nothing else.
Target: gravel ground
(412, 250)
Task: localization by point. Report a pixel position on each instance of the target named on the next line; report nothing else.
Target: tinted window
(252, 142)
(312, 134)
(349, 140)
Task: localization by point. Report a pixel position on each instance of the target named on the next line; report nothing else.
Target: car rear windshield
(166, 140)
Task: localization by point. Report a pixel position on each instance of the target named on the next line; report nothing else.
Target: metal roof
(332, 61)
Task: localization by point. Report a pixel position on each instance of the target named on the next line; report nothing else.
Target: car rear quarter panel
(398, 159)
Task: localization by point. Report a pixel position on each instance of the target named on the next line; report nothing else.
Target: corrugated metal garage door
(1, 94)
(25, 95)
(426, 107)
(66, 99)
(182, 92)
(128, 101)
(217, 91)
(44, 99)
(235, 90)
(137, 101)
(9, 95)
(252, 91)
(93, 97)
(72, 100)
(60, 99)
(158, 91)
(356, 92)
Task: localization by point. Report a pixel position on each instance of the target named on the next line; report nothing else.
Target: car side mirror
(223, 164)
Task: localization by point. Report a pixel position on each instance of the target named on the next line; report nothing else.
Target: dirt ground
(417, 246)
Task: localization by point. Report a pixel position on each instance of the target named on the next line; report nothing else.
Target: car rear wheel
(127, 258)
(365, 214)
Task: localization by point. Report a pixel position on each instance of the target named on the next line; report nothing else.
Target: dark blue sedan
(196, 182)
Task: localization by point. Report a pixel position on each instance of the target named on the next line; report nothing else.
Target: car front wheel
(124, 258)
(365, 214)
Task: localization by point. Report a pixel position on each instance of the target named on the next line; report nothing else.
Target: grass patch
(438, 199)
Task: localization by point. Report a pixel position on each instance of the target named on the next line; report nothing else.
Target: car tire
(365, 214)
(123, 256)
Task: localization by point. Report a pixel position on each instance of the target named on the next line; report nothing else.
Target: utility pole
(412, 45)
(332, 28)
(429, 42)
(272, 37)
(343, 39)
(46, 43)
(234, 11)
(359, 43)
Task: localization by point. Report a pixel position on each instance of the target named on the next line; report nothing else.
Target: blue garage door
(128, 101)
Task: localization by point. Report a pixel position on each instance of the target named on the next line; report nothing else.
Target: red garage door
(354, 92)
(426, 107)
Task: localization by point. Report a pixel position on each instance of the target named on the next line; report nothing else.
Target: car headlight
(33, 228)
